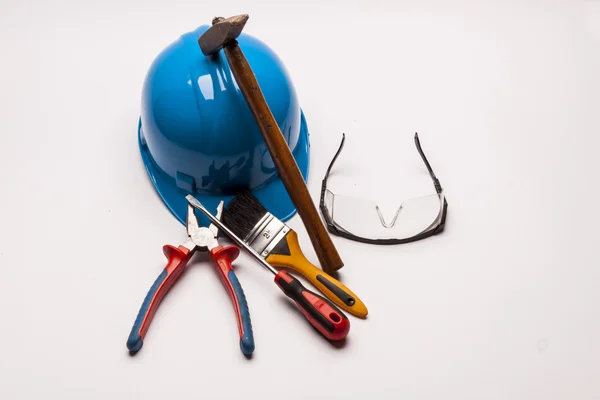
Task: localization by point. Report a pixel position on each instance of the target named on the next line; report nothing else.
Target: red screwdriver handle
(320, 312)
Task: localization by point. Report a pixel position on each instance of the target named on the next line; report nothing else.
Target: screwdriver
(320, 312)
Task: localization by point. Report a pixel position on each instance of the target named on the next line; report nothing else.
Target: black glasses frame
(331, 227)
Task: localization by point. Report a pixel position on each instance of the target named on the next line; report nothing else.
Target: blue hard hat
(197, 135)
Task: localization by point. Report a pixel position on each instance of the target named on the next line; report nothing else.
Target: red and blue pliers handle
(178, 258)
(223, 257)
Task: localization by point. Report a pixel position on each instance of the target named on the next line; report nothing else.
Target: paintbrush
(278, 244)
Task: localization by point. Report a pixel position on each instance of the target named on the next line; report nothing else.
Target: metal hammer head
(223, 31)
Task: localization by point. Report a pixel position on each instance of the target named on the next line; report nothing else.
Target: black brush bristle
(243, 213)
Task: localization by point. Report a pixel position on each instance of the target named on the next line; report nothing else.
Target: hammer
(222, 35)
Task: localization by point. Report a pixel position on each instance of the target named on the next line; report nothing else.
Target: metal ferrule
(279, 237)
(260, 225)
(264, 233)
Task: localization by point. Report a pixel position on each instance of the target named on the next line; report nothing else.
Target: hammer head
(223, 31)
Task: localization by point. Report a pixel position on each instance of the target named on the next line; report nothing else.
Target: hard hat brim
(273, 197)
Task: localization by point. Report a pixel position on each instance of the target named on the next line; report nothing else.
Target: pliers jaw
(212, 226)
(201, 238)
(192, 222)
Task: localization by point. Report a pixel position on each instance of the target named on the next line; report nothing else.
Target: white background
(503, 305)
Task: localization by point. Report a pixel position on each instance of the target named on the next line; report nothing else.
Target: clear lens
(363, 218)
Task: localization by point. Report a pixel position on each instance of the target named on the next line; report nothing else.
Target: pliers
(204, 239)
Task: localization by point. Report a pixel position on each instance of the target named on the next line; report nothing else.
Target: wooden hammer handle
(284, 161)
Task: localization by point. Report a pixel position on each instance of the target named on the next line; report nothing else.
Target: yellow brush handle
(333, 289)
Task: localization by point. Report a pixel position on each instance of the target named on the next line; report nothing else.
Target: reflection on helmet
(197, 134)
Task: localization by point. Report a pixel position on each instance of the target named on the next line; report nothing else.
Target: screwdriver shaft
(196, 204)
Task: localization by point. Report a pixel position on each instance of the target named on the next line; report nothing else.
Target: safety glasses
(361, 219)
